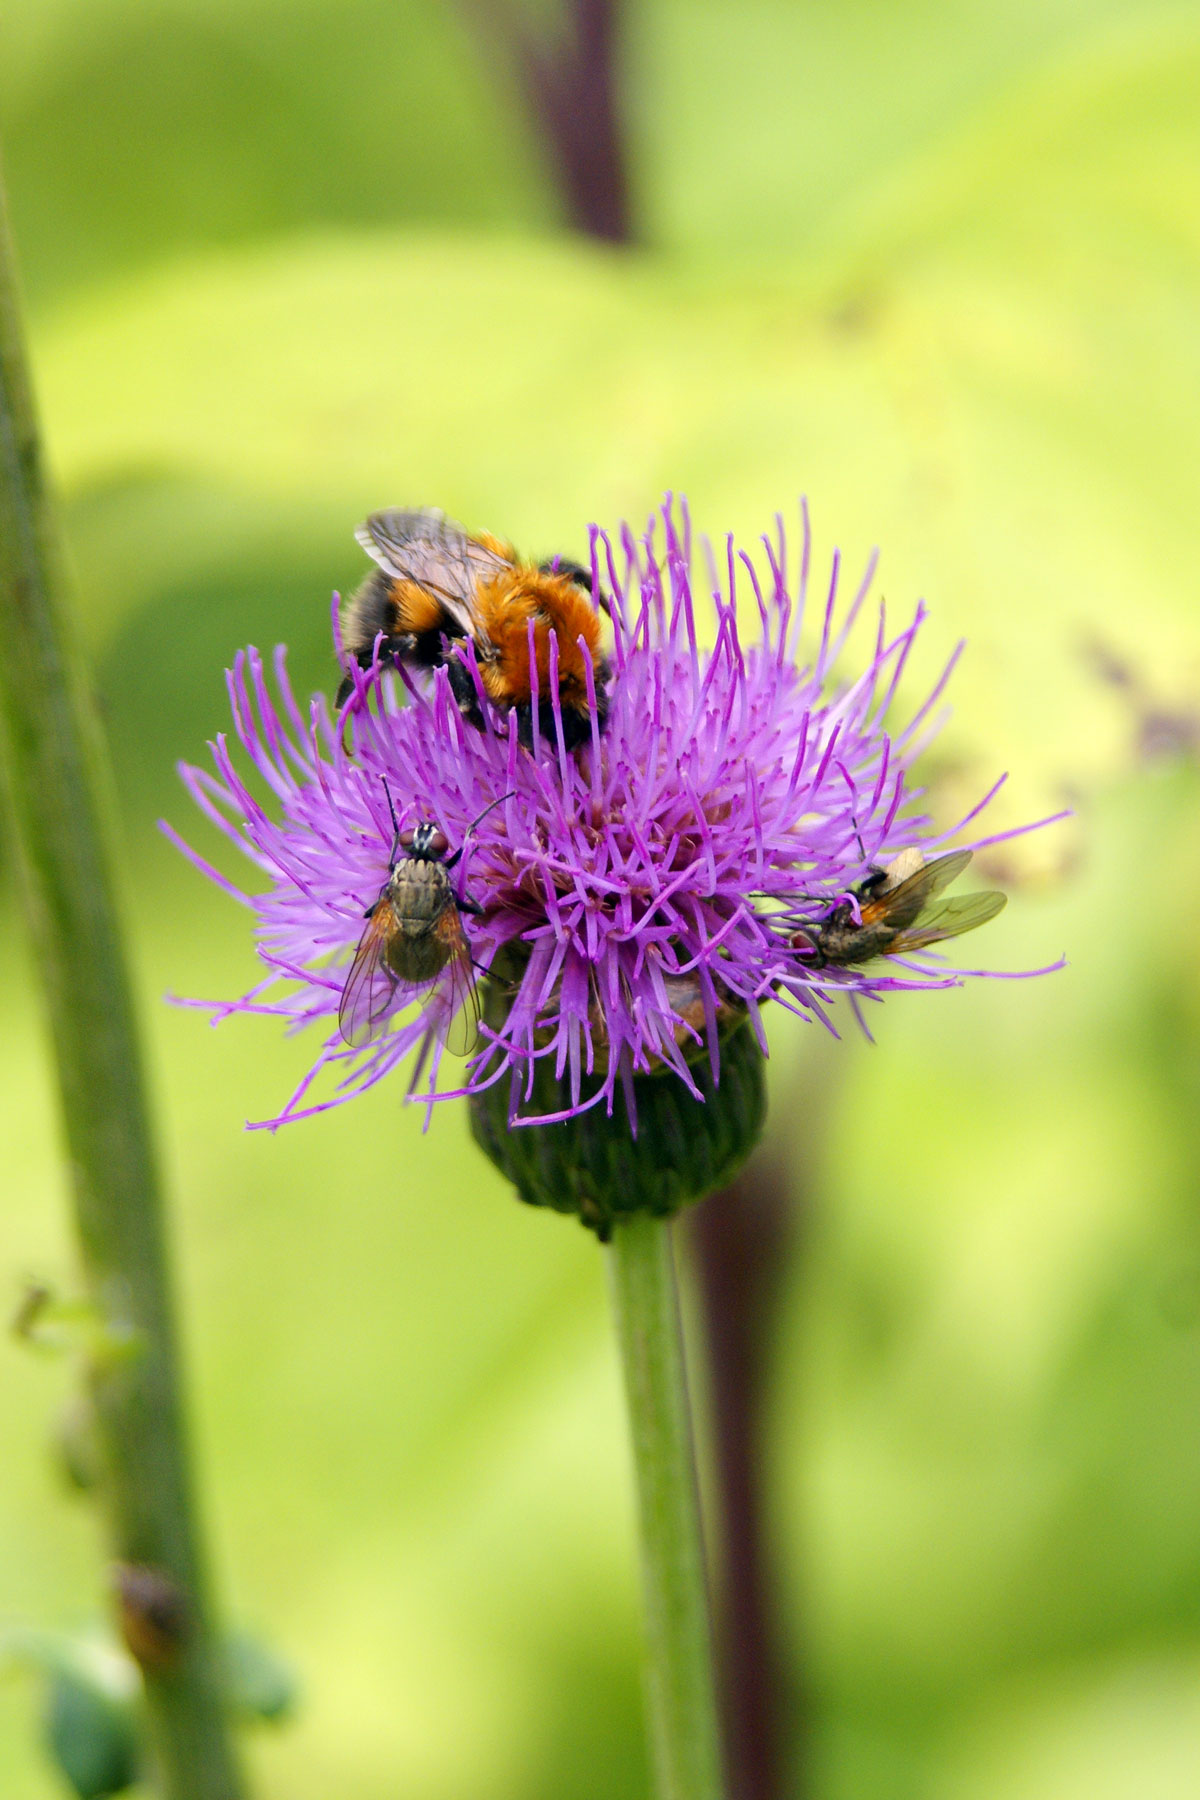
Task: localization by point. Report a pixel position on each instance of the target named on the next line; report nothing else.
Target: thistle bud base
(594, 1166)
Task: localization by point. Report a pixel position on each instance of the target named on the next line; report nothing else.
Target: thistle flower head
(629, 901)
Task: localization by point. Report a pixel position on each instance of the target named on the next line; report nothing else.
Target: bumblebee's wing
(949, 918)
(370, 986)
(453, 1004)
(904, 904)
(429, 549)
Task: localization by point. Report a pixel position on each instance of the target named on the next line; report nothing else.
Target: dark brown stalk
(569, 78)
(746, 1241)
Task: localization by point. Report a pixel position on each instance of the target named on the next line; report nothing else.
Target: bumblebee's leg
(577, 728)
(462, 686)
(576, 725)
(397, 647)
(467, 905)
(524, 712)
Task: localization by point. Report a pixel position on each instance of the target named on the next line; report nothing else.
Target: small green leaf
(75, 1445)
(259, 1683)
(54, 1325)
(91, 1735)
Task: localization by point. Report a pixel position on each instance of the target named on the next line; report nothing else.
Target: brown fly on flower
(895, 911)
(414, 944)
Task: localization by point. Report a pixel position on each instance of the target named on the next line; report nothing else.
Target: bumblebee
(435, 586)
(895, 914)
(414, 944)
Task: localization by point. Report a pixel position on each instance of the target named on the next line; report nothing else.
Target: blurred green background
(938, 266)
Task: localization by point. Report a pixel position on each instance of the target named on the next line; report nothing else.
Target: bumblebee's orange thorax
(553, 603)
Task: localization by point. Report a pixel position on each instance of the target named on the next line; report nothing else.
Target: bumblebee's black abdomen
(412, 622)
(423, 649)
(372, 610)
(563, 565)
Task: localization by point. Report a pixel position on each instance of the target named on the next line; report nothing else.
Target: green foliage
(261, 1685)
(89, 1698)
(91, 1737)
(938, 266)
(135, 133)
(92, 1727)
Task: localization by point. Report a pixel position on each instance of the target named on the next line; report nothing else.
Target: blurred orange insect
(436, 585)
(898, 912)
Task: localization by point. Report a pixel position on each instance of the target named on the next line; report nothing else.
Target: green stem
(54, 757)
(681, 1694)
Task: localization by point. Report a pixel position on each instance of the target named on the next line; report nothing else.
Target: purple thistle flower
(636, 895)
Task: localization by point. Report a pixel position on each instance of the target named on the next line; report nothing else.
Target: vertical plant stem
(53, 758)
(680, 1690)
(567, 65)
(749, 1242)
(742, 1238)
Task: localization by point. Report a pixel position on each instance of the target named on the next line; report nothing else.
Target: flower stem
(53, 757)
(681, 1695)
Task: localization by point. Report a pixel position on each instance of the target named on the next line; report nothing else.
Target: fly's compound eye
(424, 841)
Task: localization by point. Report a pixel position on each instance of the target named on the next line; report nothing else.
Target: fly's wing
(904, 904)
(374, 993)
(370, 986)
(429, 549)
(949, 918)
(453, 1005)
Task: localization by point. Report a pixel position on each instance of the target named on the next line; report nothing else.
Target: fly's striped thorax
(418, 893)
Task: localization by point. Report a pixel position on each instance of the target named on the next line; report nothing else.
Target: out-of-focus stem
(742, 1237)
(747, 1241)
(53, 760)
(681, 1695)
(569, 72)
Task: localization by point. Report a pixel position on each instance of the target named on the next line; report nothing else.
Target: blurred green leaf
(135, 133)
(75, 1444)
(92, 1738)
(261, 1684)
(55, 1324)
(90, 1719)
